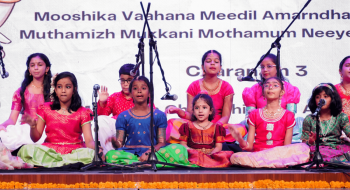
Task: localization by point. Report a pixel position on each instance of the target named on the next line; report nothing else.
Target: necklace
(326, 128)
(203, 127)
(213, 89)
(346, 92)
(272, 114)
(35, 86)
(64, 110)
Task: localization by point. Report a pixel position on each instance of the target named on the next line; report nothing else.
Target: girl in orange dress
(202, 138)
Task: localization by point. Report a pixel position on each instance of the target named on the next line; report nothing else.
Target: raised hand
(103, 94)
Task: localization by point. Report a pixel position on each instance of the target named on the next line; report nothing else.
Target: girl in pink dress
(270, 133)
(65, 120)
(343, 89)
(34, 91)
(219, 90)
(253, 97)
(202, 138)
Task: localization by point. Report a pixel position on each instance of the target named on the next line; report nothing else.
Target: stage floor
(171, 175)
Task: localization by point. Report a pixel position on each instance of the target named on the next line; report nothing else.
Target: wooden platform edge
(67, 178)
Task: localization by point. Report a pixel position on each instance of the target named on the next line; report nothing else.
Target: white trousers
(18, 135)
(106, 126)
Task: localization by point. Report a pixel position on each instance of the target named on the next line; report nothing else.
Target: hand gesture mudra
(103, 94)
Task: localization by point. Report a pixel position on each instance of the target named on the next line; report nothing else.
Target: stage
(103, 178)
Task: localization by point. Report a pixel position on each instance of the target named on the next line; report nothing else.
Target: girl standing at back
(270, 133)
(332, 122)
(34, 91)
(202, 138)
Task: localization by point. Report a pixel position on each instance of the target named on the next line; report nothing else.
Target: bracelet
(34, 126)
(245, 147)
(183, 117)
(219, 123)
(308, 142)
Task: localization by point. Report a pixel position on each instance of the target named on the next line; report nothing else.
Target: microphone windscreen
(239, 78)
(175, 97)
(96, 87)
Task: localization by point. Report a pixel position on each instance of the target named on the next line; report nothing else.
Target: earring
(279, 101)
(219, 74)
(203, 73)
(46, 73)
(341, 78)
(30, 74)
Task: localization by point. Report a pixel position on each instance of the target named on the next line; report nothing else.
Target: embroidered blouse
(31, 102)
(270, 132)
(198, 139)
(330, 130)
(64, 132)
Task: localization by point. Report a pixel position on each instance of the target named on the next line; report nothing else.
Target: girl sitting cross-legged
(270, 133)
(202, 138)
(132, 141)
(64, 121)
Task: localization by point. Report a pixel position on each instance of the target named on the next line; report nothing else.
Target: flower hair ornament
(325, 85)
(52, 89)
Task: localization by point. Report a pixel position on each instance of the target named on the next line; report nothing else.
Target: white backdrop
(317, 43)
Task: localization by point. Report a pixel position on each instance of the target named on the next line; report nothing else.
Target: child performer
(34, 91)
(133, 130)
(65, 120)
(113, 104)
(270, 133)
(202, 138)
(344, 87)
(253, 97)
(332, 123)
(219, 90)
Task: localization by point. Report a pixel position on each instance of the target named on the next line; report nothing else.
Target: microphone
(5, 73)
(240, 78)
(96, 88)
(168, 96)
(321, 103)
(134, 71)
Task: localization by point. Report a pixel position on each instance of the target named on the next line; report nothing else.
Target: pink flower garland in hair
(52, 89)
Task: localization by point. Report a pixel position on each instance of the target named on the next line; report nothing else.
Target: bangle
(219, 123)
(245, 147)
(308, 142)
(183, 117)
(34, 126)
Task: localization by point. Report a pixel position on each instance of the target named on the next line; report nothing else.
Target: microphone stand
(152, 158)
(141, 46)
(97, 162)
(276, 44)
(317, 159)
